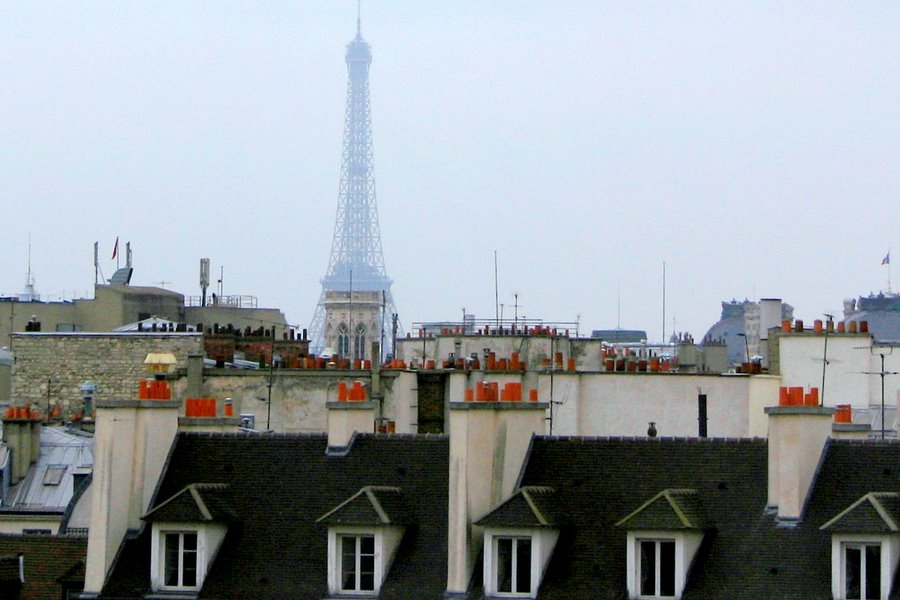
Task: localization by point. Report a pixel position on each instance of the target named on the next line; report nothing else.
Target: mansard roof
(599, 482)
(280, 485)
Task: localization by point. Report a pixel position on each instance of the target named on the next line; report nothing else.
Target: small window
(180, 554)
(657, 568)
(54, 474)
(343, 340)
(862, 571)
(360, 350)
(512, 565)
(357, 563)
(36, 532)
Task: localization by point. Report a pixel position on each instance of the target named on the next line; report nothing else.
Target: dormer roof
(371, 505)
(529, 506)
(670, 510)
(196, 502)
(876, 512)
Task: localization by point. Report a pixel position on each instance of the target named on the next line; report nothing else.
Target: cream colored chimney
(132, 439)
(347, 417)
(797, 436)
(488, 444)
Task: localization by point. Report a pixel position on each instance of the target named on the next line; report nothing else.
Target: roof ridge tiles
(636, 438)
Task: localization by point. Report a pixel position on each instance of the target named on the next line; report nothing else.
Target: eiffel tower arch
(356, 284)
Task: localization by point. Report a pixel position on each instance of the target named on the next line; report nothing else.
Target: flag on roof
(116, 248)
(887, 259)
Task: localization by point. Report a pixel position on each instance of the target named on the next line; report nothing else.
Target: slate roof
(529, 506)
(600, 481)
(197, 502)
(50, 562)
(877, 512)
(373, 505)
(670, 510)
(280, 485)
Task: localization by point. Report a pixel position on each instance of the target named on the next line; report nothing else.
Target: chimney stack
(125, 474)
(352, 413)
(21, 433)
(488, 444)
(797, 437)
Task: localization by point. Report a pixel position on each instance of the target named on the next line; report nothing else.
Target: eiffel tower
(356, 263)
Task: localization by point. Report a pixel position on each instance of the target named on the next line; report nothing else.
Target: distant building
(742, 318)
(620, 336)
(881, 312)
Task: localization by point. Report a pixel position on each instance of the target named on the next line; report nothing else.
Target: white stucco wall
(852, 358)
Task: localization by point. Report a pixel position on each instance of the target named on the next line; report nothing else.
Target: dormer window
(865, 547)
(187, 531)
(663, 536)
(519, 538)
(364, 533)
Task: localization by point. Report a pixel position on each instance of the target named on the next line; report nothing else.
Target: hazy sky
(752, 146)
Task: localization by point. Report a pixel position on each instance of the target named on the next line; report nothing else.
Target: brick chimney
(488, 444)
(132, 439)
(797, 437)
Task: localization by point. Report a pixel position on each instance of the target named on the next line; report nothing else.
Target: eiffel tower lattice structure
(356, 263)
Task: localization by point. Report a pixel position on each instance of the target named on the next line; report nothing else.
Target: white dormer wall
(890, 556)
(387, 540)
(543, 540)
(687, 543)
(209, 540)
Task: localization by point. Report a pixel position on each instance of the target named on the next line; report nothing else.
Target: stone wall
(50, 367)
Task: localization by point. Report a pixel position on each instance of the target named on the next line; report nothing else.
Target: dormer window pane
(172, 559)
(648, 568)
(667, 568)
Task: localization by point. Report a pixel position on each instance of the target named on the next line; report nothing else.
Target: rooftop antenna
(619, 304)
(496, 293)
(28, 294)
(887, 261)
(664, 304)
(824, 358)
(358, 18)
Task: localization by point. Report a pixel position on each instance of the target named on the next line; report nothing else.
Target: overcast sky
(752, 146)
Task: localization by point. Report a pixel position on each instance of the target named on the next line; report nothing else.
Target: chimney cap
(160, 362)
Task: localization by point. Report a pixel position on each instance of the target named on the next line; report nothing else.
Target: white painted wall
(850, 357)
